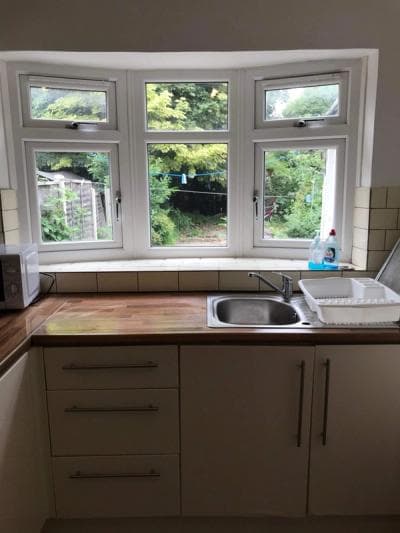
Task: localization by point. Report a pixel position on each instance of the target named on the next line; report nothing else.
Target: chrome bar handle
(106, 409)
(111, 366)
(302, 367)
(324, 433)
(80, 475)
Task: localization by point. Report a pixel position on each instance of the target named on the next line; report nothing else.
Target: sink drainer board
(351, 300)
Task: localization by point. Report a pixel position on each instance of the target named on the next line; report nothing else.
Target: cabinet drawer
(90, 487)
(112, 422)
(111, 367)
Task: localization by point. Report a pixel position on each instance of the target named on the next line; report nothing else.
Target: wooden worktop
(148, 319)
(174, 318)
(16, 327)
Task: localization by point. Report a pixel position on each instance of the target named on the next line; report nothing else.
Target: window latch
(117, 204)
(303, 122)
(255, 203)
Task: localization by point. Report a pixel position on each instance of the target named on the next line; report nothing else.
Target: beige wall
(176, 25)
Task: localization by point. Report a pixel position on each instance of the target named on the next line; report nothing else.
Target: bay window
(196, 163)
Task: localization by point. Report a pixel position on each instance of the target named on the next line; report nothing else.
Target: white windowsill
(197, 264)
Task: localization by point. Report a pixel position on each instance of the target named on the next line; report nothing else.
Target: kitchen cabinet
(245, 423)
(114, 427)
(25, 490)
(355, 444)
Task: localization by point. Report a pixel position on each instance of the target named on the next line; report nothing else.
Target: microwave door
(32, 274)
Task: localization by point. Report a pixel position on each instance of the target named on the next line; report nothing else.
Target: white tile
(277, 280)
(392, 236)
(117, 281)
(393, 197)
(158, 281)
(10, 220)
(376, 259)
(361, 218)
(376, 239)
(8, 199)
(360, 274)
(359, 257)
(12, 237)
(362, 197)
(378, 197)
(198, 281)
(360, 238)
(237, 281)
(383, 218)
(46, 282)
(76, 282)
(315, 274)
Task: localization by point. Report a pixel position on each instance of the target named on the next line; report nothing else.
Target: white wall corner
(4, 167)
(370, 68)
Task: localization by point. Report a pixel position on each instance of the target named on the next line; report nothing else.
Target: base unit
(116, 486)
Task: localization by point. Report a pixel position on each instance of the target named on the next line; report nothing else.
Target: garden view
(188, 182)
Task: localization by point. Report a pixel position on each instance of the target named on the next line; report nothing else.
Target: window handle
(117, 204)
(255, 203)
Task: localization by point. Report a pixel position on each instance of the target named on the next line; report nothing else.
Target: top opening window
(302, 101)
(60, 102)
(187, 106)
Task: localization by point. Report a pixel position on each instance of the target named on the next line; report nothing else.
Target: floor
(227, 525)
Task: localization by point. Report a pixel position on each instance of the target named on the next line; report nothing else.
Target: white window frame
(31, 149)
(73, 139)
(142, 137)
(339, 145)
(350, 132)
(340, 78)
(130, 138)
(27, 81)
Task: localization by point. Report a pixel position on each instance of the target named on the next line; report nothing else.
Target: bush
(163, 230)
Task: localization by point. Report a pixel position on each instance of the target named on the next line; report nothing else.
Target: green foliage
(163, 229)
(295, 177)
(66, 104)
(94, 166)
(54, 225)
(187, 106)
(312, 103)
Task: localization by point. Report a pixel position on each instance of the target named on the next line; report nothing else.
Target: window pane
(74, 196)
(298, 192)
(188, 194)
(49, 103)
(187, 106)
(302, 102)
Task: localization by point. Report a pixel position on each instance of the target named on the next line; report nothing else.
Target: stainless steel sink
(251, 311)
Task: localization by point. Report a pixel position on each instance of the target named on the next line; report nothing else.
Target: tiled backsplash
(376, 225)
(185, 281)
(9, 224)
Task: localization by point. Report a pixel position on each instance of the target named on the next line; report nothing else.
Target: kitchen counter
(16, 327)
(149, 319)
(178, 319)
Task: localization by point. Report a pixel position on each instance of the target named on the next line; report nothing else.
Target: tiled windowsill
(179, 265)
(178, 275)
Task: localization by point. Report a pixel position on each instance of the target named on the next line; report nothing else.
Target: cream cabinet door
(245, 421)
(25, 500)
(355, 445)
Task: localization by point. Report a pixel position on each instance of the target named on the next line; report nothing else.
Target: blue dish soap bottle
(332, 252)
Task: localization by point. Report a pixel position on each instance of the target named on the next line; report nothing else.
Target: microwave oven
(19, 275)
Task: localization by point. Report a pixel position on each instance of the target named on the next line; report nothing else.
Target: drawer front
(98, 487)
(111, 367)
(112, 422)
